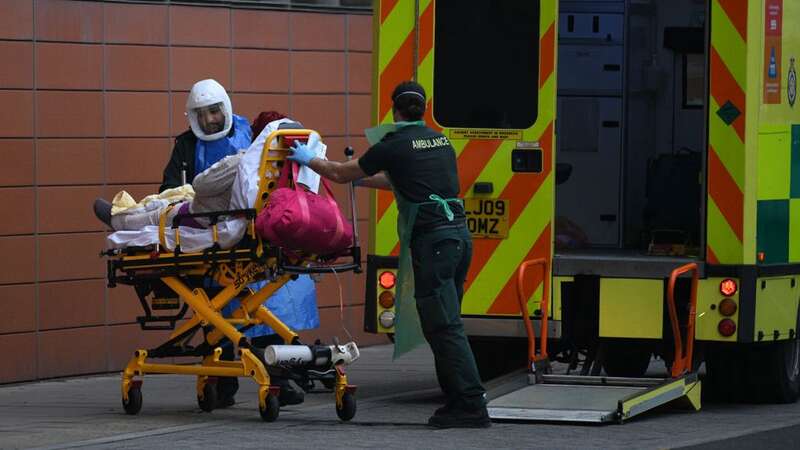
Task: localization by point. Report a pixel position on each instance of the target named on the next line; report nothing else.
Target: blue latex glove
(301, 154)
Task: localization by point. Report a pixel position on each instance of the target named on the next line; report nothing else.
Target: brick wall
(91, 95)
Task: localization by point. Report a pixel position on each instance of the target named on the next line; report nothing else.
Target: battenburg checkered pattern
(778, 229)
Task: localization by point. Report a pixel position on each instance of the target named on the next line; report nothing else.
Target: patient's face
(211, 118)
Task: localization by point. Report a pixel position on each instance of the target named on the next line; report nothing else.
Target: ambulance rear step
(588, 399)
(542, 396)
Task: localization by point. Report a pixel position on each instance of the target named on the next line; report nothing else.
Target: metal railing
(523, 307)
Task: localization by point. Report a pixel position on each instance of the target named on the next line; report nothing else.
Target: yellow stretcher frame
(232, 270)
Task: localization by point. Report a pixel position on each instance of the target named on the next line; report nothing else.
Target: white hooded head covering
(206, 93)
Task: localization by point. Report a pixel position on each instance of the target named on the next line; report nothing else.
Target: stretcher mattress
(243, 196)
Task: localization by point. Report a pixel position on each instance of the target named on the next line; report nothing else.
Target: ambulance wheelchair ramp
(589, 399)
(541, 396)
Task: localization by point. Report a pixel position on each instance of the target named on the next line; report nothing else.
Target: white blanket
(243, 196)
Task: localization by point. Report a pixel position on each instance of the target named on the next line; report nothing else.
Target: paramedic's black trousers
(441, 258)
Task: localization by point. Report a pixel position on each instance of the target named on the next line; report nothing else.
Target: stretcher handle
(355, 265)
(683, 357)
(523, 306)
(286, 134)
(322, 269)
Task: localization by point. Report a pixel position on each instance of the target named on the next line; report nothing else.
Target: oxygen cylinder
(317, 356)
(288, 355)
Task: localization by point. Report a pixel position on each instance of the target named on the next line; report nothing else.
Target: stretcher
(205, 281)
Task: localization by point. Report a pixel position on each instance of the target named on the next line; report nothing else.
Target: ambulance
(616, 141)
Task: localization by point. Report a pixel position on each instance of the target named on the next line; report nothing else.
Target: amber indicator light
(727, 307)
(386, 299)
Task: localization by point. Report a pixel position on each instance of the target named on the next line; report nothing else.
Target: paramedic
(419, 165)
(215, 132)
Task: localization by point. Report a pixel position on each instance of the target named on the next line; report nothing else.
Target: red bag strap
(323, 180)
(328, 189)
(339, 219)
(295, 172)
(340, 232)
(283, 181)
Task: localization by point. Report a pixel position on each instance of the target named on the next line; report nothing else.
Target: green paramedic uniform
(436, 249)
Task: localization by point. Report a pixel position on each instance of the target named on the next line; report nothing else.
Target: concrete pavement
(394, 402)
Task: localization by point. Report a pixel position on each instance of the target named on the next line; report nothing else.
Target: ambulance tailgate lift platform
(540, 395)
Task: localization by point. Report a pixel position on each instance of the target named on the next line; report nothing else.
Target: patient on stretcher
(231, 183)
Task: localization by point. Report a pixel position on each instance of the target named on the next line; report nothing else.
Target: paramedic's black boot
(226, 389)
(288, 395)
(226, 402)
(444, 409)
(102, 209)
(461, 418)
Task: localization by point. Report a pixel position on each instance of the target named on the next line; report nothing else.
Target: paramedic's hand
(301, 154)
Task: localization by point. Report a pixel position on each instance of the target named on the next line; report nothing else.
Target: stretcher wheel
(270, 413)
(209, 400)
(348, 409)
(134, 403)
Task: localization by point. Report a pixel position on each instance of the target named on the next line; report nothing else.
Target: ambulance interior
(631, 133)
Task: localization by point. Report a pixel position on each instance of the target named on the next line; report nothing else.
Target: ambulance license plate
(487, 217)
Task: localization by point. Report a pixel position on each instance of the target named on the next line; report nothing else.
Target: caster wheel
(209, 400)
(134, 403)
(270, 413)
(348, 409)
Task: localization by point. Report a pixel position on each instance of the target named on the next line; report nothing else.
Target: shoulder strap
(283, 180)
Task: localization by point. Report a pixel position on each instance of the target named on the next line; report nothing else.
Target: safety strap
(162, 225)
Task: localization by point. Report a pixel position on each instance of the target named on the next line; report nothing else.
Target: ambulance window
(486, 69)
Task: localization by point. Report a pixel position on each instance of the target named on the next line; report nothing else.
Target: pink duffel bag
(297, 219)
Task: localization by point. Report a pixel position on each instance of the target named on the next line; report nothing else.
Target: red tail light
(728, 287)
(726, 327)
(387, 280)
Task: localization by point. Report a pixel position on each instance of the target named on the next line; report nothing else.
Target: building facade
(92, 95)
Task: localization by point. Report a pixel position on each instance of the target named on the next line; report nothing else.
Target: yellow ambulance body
(618, 140)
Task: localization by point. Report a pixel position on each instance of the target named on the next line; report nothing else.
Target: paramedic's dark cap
(408, 88)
